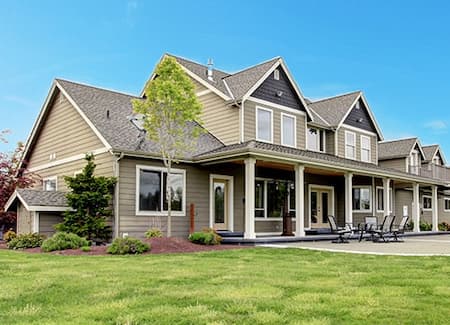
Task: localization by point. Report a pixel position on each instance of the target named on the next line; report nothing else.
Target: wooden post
(191, 215)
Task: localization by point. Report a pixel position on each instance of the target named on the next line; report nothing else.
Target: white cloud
(436, 125)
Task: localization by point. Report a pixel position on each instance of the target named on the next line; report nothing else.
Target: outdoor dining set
(387, 231)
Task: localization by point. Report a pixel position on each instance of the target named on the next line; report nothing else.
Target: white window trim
(266, 218)
(295, 130)
(345, 142)
(50, 178)
(369, 149)
(315, 187)
(446, 199)
(423, 205)
(370, 198)
(230, 193)
(271, 124)
(159, 213)
(324, 138)
(391, 203)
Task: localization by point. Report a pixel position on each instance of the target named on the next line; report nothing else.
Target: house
(262, 135)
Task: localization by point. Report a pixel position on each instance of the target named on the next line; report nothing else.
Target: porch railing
(431, 171)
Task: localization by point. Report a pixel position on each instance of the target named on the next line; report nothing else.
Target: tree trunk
(169, 199)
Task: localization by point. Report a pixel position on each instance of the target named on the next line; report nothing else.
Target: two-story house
(262, 136)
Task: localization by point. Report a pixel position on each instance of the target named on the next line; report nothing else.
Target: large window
(426, 203)
(50, 183)
(361, 198)
(380, 200)
(152, 198)
(350, 145)
(365, 148)
(316, 139)
(269, 198)
(264, 124)
(288, 126)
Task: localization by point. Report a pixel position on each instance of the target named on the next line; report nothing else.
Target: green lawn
(252, 286)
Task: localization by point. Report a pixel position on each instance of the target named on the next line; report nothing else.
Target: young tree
(89, 198)
(171, 118)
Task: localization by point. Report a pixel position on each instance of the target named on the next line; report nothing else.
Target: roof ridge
(337, 96)
(195, 62)
(96, 87)
(431, 145)
(320, 116)
(252, 67)
(398, 140)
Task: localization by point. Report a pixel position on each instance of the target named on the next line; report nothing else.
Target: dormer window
(316, 140)
(276, 74)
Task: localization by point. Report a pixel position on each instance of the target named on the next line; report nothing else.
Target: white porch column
(35, 226)
(416, 208)
(299, 200)
(349, 198)
(434, 207)
(386, 196)
(250, 198)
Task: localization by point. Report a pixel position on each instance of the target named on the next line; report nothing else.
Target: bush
(207, 236)
(86, 249)
(153, 233)
(63, 240)
(127, 245)
(9, 235)
(26, 241)
(444, 226)
(425, 226)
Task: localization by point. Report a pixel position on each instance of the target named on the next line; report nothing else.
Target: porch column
(386, 196)
(250, 198)
(299, 200)
(434, 207)
(348, 198)
(35, 225)
(416, 208)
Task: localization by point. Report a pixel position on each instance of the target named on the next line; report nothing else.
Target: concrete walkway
(438, 245)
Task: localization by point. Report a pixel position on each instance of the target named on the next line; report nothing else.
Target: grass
(252, 286)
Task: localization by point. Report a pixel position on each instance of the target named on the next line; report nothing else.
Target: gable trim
(350, 127)
(281, 107)
(417, 143)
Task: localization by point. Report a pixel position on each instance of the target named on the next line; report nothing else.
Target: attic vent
(276, 74)
(357, 105)
(360, 120)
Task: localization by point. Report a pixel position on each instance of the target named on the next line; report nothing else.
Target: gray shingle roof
(334, 109)
(43, 198)
(430, 151)
(395, 149)
(117, 129)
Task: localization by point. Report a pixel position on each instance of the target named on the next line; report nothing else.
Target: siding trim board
(281, 107)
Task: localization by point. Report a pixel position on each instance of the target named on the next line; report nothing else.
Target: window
(365, 148)
(350, 145)
(361, 199)
(50, 183)
(276, 74)
(316, 140)
(414, 162)
(380, 200)
(151, 193)
(447, 204)
(269, 199)
(263, 124)
(288, 127)
(260, 195)
(426, 203)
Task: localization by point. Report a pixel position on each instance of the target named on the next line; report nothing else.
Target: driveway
(411, 246)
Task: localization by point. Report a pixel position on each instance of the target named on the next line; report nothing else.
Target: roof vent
(210, 70)
(360, 120)
(107, 113)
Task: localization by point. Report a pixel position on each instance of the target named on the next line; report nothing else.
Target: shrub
(63, 240)
(26, 241)
(207, 236)
(444, 226)
(425, 226)
(127, 245)
(153, 233)
(86, 249)
(9, 235)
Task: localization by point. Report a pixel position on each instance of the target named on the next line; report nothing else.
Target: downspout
(242, 121)
(116, 171)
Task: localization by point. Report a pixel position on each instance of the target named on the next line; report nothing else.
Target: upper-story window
(350, 145)
(365, 148)
(316, 139)
(288, 127)
(264, 130)
(414, 162)
(437, 161)
(49, 183)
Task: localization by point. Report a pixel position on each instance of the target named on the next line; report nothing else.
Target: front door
(220, 203)
(320, 207)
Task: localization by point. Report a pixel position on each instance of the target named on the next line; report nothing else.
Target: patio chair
(370, 224)
(340, 231)
(400, 230)
(385, 228)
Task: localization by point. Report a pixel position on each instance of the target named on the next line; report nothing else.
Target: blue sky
(396, 53)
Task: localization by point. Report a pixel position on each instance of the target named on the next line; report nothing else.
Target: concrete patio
(428, 245)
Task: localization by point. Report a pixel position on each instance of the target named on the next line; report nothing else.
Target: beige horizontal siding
(399, 164)
(341, 144)
(47, 222)
(24, 220)
(198, 86)
(64, 133)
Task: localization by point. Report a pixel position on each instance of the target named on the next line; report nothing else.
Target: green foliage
(89, 198)
(9, 235)
(425, 226)
(30, 240)
(207, 236)
(127, 245)
(63, 240)
(86, 249)
(444, 226)
(153, 233)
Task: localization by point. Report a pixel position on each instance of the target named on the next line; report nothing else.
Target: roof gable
(398, 148)
(334, 109)
(359, 117)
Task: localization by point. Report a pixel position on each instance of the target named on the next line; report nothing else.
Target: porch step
(227, 233)
(318, 231)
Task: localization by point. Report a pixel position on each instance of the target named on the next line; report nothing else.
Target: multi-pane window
(264, 124)
(152, 190)
(259, 199)
(350, 145)
(316, 139)
(426, 202)
(49, 183)
(269, 198)
(365, 148)
(361, 198)
(288, 130)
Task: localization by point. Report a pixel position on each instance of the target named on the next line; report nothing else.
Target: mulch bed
(158, 246)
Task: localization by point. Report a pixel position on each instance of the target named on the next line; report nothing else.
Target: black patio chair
(340, 231)
(400, 230)
(369, 226)
(385, 228)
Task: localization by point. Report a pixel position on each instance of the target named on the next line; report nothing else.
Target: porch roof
(39, 200)
(312, 158)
